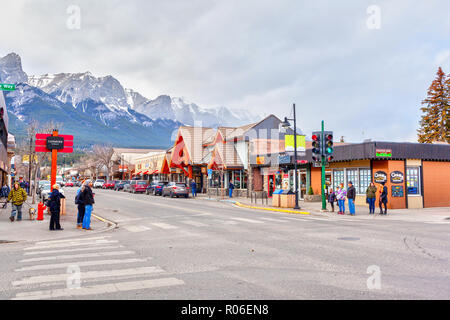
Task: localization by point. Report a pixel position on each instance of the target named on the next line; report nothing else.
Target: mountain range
(101, 110)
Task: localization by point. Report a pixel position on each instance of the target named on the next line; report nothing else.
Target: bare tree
(103, 156)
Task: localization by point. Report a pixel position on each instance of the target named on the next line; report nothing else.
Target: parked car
(108, 185)
(156, 187)
(99, 183)
(41, 186)
(176, 189)
(119, 186)
(127, 186)
(70, 184)
(138, 186)
(46, 191)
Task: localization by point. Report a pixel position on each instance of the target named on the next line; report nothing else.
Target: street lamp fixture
(287, 124)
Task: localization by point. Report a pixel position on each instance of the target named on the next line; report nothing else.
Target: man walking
(194, 188)
(231, 188)
(88, 199)
(351, 196)
(17, 196)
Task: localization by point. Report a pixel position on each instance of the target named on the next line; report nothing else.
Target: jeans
(231, 193)
(87, 217)
(18, 210)
(194, 192)
(351, 206)
(371, 204)
(81, 211)
(341, 204)
(381, 207)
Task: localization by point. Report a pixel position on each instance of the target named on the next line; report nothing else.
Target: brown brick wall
(436, 184)
(257, 180)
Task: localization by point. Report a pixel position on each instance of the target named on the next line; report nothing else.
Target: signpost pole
(295, 161)
(324, 201)
(54, 163)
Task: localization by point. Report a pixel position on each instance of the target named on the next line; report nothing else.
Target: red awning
(146, 172)
(156, 172)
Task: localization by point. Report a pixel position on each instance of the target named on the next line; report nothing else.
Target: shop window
(352, 176)
(338, 178)
(365, 177)
(413, 180)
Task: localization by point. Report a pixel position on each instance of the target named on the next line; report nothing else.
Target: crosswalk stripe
(99, 289)
(228, 222)
(194, 223)
(247, 220)
(274, 220)
(36, 253)
(89, 275)
(164, 226)
(74, 244)
(136, 228)
(69, 240)
(79, 256)
(79, 264)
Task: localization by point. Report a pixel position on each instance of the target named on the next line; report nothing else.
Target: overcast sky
(331, 58)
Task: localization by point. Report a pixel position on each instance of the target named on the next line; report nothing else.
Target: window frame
(419, 182)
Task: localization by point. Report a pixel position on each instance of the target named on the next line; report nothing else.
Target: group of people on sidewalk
(341, 194)
(85, 201)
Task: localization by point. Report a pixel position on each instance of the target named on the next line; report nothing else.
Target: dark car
(176, 189)
(156, 187)
(121, 185)
(138, 186)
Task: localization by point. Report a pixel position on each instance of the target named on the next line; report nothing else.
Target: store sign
(397, 177)
(384, 153)
(55, 143)
(290, 143)
(380, 177)
(284, 159)
(260, 160)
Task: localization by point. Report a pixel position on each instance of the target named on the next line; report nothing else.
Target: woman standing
(340, 195)
(331, 199)
(55, 208)
(88, 199)
(383, 198)
(371, 194)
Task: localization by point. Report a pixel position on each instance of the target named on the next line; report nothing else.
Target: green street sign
(7, 87)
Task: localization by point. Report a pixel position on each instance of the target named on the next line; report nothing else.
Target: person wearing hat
(351, 196)
(55, 208)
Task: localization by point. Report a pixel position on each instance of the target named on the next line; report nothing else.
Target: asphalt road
(199, 249)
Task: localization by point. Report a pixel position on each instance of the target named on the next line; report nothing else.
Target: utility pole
(29, 165)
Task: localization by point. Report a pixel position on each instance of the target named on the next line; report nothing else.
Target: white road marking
(89, 275)
(71, 250)
(99, 289)
(68, 240)
(136, 228)
(274, 220)
(247, 220)
(164, 226)
(194, 223)
(226, 222)
(79, 264)
(79, 256)
(72, 244)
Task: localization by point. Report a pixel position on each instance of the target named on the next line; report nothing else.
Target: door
(271, 185)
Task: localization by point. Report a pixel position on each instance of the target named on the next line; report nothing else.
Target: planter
(313, 198)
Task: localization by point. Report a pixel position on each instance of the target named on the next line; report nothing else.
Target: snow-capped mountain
(105, 103)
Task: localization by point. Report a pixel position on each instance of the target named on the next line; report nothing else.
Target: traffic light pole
(324, 200)
(295, 161)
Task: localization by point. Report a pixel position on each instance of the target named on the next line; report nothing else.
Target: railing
(264, 196)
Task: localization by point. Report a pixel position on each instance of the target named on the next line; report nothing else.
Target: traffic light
(328, 146)
(317, 146)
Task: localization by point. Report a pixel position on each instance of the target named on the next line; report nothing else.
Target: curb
(111, 224)
(271, 209)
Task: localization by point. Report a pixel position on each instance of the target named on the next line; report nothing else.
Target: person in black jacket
(383, 199)
(88, 199)
(332, 199)
(55, 208)
(351, 196)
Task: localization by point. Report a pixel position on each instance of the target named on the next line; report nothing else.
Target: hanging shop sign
(397, 177)
(384, 153)
(380, 177)
(260, 160)
(290, 143)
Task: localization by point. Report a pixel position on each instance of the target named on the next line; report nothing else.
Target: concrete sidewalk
(437, 215)
(27, 230)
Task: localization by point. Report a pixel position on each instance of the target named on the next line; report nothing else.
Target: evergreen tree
(434, 123)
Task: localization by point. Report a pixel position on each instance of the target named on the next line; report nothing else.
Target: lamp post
(286, 124)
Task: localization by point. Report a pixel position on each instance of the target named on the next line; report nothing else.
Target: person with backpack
(340, 196)
(17, 196)
(54, 204)
(383, 198)
(79, 201)
(351, 196)
(88, 200)
(371, 194)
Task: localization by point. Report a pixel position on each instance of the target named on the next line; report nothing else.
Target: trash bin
(276, 198)
(287, 199)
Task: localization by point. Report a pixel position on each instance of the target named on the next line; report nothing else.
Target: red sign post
(54, 143)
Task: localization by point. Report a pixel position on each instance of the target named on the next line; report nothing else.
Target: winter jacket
(351, 193)
(87, 196)
(55, 201)
(18, 196)
(384, 195)
(371, 192)
(231, 186)
(341, 194)
(332, 197)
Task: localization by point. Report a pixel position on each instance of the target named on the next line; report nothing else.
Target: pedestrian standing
(340, 196)
(55, 208)
(88, 199)
(383, 198)
(371, 194)
(351, 196)
(194, 188)
(231, 188)
(79, 201)
(17, 196)
(331, 199)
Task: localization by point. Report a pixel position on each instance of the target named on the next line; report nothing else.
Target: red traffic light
(329, 137)
(315, 137)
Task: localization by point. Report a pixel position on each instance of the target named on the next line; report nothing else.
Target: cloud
(257, 55)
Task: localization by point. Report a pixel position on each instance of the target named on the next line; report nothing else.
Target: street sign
(7, 87)
(55, 143)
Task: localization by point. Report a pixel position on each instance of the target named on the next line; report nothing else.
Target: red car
(109, 185)
(138, 186)
(69, 184)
